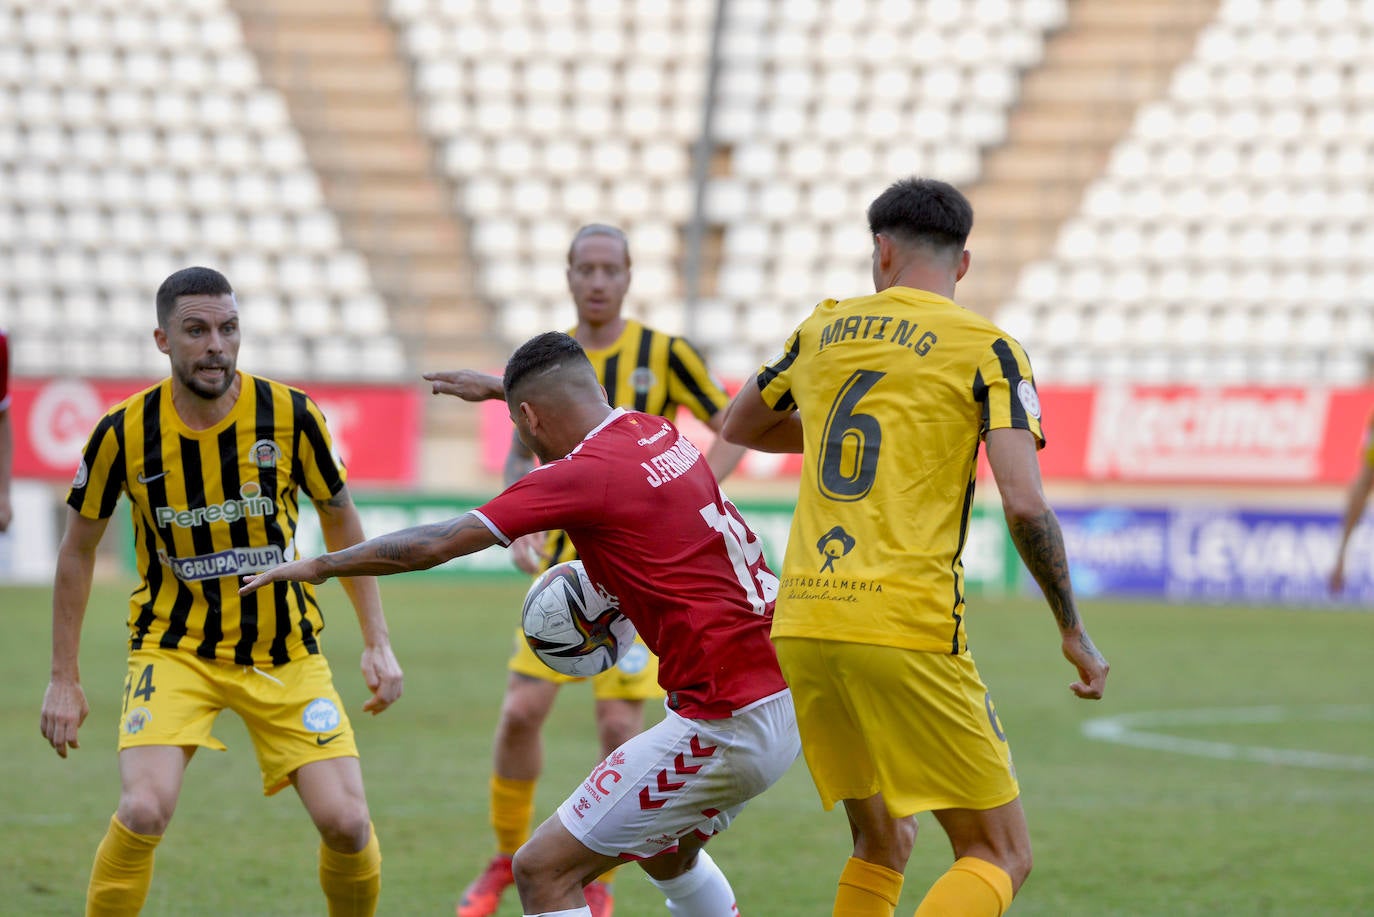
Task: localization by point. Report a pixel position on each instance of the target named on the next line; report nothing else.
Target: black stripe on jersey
(980, 394)
(772, 371)
(609, 378)
(154, 463)
(307, 600)
(204, 543)
(324, 461)
(153, 575)
(699, 394)
(265, 427)
(280, 603)
(646, 341)
(227, 445)
(118, 471)
(959, 552)
(1012, 372)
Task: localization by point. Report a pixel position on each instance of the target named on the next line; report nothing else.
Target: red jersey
(653, 529)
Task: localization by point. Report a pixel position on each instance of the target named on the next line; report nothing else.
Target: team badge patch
(264, 453)
(634, 660)
(82, 474)
(321, 715)
(642, 379)
(136, 720)
(1029, 399)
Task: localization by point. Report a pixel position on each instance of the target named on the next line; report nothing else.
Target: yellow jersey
(896, 391)
(208, 506)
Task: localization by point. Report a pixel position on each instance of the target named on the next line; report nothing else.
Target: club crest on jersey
(1028, 397)
(136, 720)
(642, 379)
(833, 545)
(264, 453)
(321, 715)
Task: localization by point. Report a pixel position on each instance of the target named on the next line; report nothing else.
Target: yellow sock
(971, 888)
(122, 873)
(512, 808)
(352, 882)
(867, 890)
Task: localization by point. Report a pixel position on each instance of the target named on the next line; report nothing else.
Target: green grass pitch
(1117, 829)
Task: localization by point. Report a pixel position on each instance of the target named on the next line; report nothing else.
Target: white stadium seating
(137, 138)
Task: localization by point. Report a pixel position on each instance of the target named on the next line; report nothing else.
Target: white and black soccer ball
(572, 626)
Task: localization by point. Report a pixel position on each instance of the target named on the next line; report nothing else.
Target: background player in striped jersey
(888, 396)
(642, 369)
(212, 460)
(684, 566)
(6, 434)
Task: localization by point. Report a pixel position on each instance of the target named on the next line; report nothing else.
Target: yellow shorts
(292, 711)
(918, 727)
(634, 677)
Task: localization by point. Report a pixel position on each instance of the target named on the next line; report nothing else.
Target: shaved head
(550, 366)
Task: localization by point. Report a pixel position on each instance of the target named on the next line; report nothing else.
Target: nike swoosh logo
(325, 740)
(142, 479)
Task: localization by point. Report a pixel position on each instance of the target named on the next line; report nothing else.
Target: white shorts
(682, 777)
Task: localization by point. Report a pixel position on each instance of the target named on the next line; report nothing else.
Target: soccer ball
(572, 626)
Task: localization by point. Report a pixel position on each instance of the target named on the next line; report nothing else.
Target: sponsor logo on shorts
(604, 776)
(833, 545)
(325, 740)
(581, 806)
(136, 720)
(634, 660)
(321, 715)
(229, 562)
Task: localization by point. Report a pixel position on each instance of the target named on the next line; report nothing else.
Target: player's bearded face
(202, 340)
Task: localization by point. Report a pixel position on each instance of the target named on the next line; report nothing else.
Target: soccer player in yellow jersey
(888, 397)
(1356, 499)
(212, 460)
(641, 369)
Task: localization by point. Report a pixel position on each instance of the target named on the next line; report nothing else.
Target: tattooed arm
(416, 548)
(1035, 532)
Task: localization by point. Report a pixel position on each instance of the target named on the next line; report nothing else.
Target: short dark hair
(189, 281)
(922, 210)
(599, 229)
(542, 354)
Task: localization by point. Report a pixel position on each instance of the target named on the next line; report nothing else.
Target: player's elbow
(1023, 505)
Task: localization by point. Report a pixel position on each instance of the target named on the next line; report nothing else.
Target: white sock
(702, 891)
(583, 911)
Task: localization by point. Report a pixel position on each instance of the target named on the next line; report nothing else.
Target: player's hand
(383, 675)
(64, 710)
(1337, 582)
(527, 552)
(300, 571)
(468, 384)
(1092, 667)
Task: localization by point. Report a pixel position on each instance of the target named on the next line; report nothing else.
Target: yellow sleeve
(1006, 389)
(691, 384)
(100, 476)
(322, 475)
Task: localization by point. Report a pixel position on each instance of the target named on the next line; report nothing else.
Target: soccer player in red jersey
(654, 530)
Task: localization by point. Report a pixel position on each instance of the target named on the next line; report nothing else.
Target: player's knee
(528, 869)
(346, 828)
(145, 812)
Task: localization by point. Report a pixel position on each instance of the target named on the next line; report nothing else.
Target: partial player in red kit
(653, 529)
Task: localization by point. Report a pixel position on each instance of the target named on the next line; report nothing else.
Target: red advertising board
(1143, 434)
(376, 428)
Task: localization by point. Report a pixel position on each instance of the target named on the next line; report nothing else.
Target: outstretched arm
(722, 455)
(468, 384)
(64, 701)
(1035, 532)
(1354, 509)
(750, 422)
(342, 528)
(416, 548)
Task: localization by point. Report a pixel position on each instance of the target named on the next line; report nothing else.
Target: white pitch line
(1137, 729)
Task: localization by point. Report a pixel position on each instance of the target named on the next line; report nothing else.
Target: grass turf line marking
(1137, 729)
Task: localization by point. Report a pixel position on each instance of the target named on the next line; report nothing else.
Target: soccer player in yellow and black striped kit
(888, 398)
(212, 461)
(642, 369)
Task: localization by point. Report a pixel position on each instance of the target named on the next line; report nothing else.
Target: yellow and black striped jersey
(647, 370)
(208, 506)
(895, 391)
